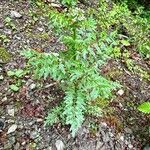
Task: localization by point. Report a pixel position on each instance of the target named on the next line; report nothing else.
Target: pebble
(128, 130)
(12, 140)
(122, 138)
(1, 77)
(130, 146)
(12, 129)
(17, 146)
(146, 147)
(40, 29)
(1, 25)
(34, 134)
(120, 92)
(39, 120)
(7, 146)
(4, 99)
(59, 145)
(32, 86)
(103, 124)
(11, 112)
(15, 14)
(8, 31)
(99, 145)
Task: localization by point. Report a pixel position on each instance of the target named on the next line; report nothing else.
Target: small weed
(76, 68)
(4, 38)
(9, 23)
(16, 75)
(4, 55)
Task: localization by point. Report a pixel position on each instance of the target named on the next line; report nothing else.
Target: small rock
(128, 130)
(8, 31)
(103, 124)
(12, 129)
(49, 148)
(12, 140)
(4, 99)
(31, 123)
(39, 120)
(120, 92)
(32, 86)
(1, 25)
(1, 69)
(11, 112)
(7, 145)
(55, 5)
(146, 147)
(99, 145)
(75, 148)
(122, 138)
(20, 126)
(130, 146)
(40, 29)
(34, 135)
(1, 77)
(17, 146)
(23, 143)
(15, 14)
(59, 145)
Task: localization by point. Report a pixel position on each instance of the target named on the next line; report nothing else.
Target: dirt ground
(22, 113)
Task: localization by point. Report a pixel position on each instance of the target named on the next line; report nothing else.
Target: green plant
(4, 38)
(69, 2)
(4, 55)
(9, 23)
(16, 74)
(14, 87)
(133, 27)
(144, 107)
(76, 68)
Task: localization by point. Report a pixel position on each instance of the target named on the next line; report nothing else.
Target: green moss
(43, 35)
(114, 73)
(142, 73)
(4, 55)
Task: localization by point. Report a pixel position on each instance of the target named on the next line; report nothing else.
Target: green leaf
(144, 107)
(19, 72)
(10, 73)
(125, 42)
(14, 87)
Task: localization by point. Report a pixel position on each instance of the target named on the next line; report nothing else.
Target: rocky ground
(23, 26)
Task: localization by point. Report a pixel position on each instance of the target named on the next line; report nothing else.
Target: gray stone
(17, 146)
(7, 146)
(59, 145)
(8, 31)
(11, 111)
(12, 129)
(32, 86)
(15, 14)
(146, 147)
(12, 140)
(99, 145)
(1, 77)
(1, 25)
(49, 148)
(34, 134)
(128, 130)
(40, 29)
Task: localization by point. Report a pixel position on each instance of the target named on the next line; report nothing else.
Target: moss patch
(4, 55)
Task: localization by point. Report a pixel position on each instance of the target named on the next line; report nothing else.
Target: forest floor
(123, 127)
